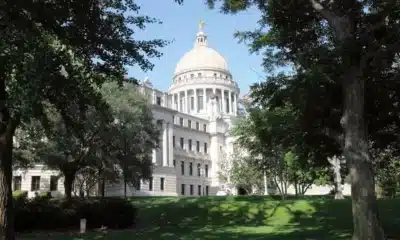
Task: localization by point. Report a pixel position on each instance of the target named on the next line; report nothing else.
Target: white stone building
(196, 114)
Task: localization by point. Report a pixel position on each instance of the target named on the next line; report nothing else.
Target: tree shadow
(248, 217)
(254, 217)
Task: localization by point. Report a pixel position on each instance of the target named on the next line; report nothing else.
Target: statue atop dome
(201, 26)
(201, 39)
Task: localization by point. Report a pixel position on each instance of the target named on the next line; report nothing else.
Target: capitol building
(195, 116)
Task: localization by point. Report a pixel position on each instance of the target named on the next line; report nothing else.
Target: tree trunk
(335, 162)
(68, 181)
(265, 184)
(365, 211)
(101, 187)
(6, 199)
(125, 183)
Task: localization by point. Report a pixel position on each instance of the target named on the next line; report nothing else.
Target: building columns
(234, 104)
(154, 156)
(195, 100)
(223, 110)
(186, 110)
(179, 101)
(204, 100)
(165, 144)
(170, 144)
(230, 102)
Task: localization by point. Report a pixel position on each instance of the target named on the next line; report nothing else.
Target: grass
(243, 218)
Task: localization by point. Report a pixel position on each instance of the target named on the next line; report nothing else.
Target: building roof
(201, 56)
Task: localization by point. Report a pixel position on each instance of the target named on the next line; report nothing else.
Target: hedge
(43, 213)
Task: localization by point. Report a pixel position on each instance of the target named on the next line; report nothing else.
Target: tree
(70, 151)
(116, 141)
(257, 136)
(136, 132)
(342, 48)
(241, 171)
(47, 50)
(336, 167)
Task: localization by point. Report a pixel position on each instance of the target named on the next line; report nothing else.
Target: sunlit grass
(243, 218)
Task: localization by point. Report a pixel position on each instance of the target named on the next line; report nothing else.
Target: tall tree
(137, 134)
(55, 52)
(347, 47)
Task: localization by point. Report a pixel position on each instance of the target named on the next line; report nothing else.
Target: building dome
(201, 57)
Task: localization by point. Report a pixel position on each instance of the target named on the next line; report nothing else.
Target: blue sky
(180, 24)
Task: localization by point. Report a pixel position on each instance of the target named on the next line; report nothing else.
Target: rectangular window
(227, 105)
(191, 169)
(197, 126)
(162, 183)
(173, 141)
(205, 127)
(182, 189)
(205, 147)
(198, 146)
(159, 124)
(35, 183)
(137, 184)
(189, 124)
(151, 184)
(181, 121)
(182, 168)
(192, 103)
(199, 190)
(182, 143)
(206, 170)
(53, 183)
(207, 190)
(200, 103)
(17, 183)
(191, 189)
(198, 169)
(159, 101)
(174, 162)
(190, 144)
(180, 105)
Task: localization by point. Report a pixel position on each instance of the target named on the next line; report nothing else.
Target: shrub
(46, 195)
(50, 214)
(20, 194)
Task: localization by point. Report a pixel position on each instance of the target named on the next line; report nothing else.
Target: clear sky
(180, 23)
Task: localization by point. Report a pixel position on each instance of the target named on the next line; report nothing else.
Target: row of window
(192, 75)
(191, 169)
(35, 183)
(190, 145)
(190, 125)
(191, 190)
(151, 183)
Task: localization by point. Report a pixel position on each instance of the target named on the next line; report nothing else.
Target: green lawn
(244, 218)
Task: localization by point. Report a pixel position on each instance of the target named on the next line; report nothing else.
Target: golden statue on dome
(201, 25)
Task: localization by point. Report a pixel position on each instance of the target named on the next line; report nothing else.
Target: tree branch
(340, 25)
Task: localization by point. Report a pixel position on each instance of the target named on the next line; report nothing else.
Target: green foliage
(118, 135)
(272, 137)
(387, 167)
(243, 173)
(45, 195)
(20, 194)
(135, 133)
(44, 214)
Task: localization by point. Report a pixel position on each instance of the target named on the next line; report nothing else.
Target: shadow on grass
(317, 217)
